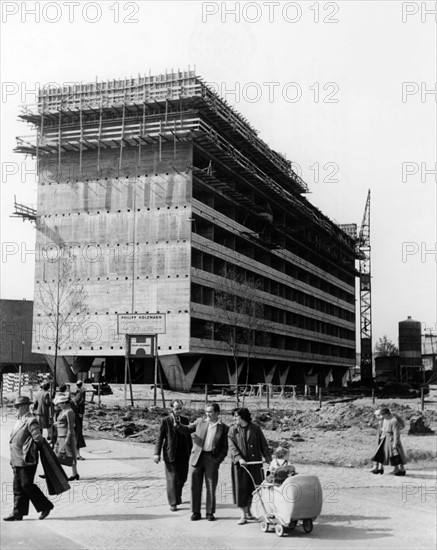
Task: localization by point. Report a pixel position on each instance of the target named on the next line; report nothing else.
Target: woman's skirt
(66, 453)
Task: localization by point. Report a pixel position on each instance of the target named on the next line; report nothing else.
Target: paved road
(120, 502)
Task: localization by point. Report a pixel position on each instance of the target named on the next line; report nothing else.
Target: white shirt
(210, 433)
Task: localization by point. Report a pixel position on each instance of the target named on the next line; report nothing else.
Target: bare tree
(62, 299)
(241, 316)
(384, 347)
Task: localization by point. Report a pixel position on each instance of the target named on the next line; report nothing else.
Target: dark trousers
(206, 467)
(176, 474)
(25, 490)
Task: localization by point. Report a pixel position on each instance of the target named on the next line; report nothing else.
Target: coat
(56, 478)
(253, 449)
(173, 443)
(42, 408)
(219, 444)
(27, 426)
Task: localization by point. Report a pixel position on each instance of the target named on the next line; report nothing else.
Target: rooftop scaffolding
(93, 107)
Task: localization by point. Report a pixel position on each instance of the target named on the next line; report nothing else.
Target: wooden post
(206, 393)
(155, 383)
(422, 399)
(320, 396)
(162, 388)
(268, 397)
(126, 366)
(373, 396)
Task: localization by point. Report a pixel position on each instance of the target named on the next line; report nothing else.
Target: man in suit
(176, 447)
(42, 407)
(24, 487)
(210, 447)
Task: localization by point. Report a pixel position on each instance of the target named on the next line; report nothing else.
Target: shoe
(250, 517)
(179, 501)
(381, 471)
(400, 473)
(45, 513)
(73, 478)
(210, 517)
(196, 516)
(241, 521)
(42, 476)
(174, 508)
(377, 471)
(13, 517)
(80, 458)
(393, 472)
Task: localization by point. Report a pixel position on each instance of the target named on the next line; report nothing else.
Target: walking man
(24, 467)
(210, 447)
(176, 447)
(43, 407)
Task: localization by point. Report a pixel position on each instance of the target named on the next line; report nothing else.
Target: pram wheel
(264, 526)
(279, 529)
(307, 525)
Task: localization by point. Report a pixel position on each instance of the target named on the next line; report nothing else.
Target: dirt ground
(339, 433)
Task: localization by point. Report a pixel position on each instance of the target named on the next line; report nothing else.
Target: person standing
(378, 468)
(393, 451)
(210, 447)
(78, 406)
(43, 408)
(66, 447)
(247, 443)
(24, 467)
(176, 448)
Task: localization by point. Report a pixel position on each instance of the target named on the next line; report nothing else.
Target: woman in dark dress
(247, 443)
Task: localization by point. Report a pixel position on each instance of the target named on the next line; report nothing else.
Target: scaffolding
(156, 109)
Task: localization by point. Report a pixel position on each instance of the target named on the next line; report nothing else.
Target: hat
(22, 400)
(61, 398)
(79, 383)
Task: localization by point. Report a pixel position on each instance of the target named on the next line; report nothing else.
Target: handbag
(395, 460)
(64, 458)
(30, 452)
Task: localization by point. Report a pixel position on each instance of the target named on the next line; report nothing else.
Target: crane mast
(367, 377)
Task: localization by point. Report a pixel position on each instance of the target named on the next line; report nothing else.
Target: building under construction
(161, 199)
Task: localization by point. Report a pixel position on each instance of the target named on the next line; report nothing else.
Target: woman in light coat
(66, 446)
(393, 451)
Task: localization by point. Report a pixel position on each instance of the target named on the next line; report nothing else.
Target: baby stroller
(287, 500)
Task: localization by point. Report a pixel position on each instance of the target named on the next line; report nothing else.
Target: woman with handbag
(66, 448)
(393, 451)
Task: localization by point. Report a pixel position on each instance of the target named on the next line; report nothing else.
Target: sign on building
(142, 346)
(141, 323)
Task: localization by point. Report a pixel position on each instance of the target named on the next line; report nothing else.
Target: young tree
(384, 347)
(62, 299)
(241, 316)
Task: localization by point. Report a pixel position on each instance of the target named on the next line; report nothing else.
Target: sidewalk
(120, 502)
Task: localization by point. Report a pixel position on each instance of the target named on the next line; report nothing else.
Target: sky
(345, 90)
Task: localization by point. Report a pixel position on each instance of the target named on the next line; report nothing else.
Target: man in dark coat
(43, 408)
(176, 447)
(24, 487)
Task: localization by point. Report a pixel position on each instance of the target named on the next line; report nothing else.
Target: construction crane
(367, 377)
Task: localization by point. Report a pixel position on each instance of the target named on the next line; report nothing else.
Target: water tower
(410, 350)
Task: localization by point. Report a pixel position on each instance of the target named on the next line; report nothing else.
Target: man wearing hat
(24, 468)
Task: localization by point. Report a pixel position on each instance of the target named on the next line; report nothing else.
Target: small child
(281, 457)
(280, 464)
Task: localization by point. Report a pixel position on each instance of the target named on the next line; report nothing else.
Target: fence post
(373, 395)
(268, 396)
(320, 396)
(206, 393)
(422, 398)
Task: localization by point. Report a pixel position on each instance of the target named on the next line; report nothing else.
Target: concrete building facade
(155, 196)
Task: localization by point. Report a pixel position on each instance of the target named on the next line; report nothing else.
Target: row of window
(237, 336)
(207, 296)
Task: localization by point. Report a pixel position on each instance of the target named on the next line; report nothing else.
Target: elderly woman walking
(66, 447)
(247, 443)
